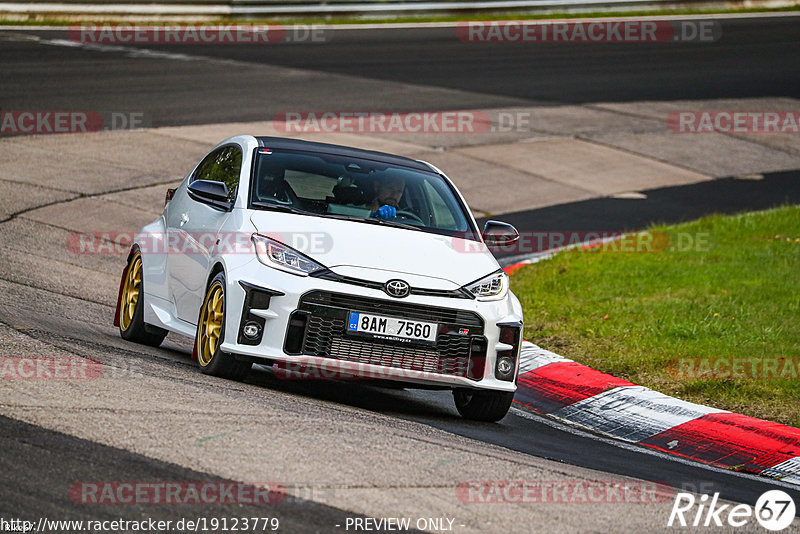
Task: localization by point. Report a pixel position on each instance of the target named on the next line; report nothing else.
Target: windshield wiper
(382, 222)
(389, 223)
(276, 206)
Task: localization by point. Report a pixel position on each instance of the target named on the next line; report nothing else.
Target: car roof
(326, 148)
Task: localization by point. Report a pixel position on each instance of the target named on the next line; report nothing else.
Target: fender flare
(121, 286)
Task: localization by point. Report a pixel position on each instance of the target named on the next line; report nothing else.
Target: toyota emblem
(397, 288)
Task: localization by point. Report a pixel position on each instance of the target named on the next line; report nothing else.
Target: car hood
(380, 253)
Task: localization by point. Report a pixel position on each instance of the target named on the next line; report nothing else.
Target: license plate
(392, 328)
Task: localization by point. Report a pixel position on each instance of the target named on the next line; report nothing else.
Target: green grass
(633, 314)
(49, 20)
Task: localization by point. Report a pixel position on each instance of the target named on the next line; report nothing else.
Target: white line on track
(134, 52)
(422, 25)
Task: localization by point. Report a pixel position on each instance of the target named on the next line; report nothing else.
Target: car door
(193, 229)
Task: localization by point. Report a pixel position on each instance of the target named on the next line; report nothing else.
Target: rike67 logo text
(774, 510)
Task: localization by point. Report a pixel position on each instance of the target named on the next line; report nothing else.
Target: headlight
(492, 287)
(278, 256)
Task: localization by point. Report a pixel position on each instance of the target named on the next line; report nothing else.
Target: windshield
(328, 185)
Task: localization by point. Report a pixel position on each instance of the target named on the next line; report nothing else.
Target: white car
(331, 262)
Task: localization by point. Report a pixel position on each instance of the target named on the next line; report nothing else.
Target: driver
(388, 193)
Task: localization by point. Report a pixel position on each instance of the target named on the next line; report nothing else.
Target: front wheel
(211, 332)
(478, 405)
(131, 306)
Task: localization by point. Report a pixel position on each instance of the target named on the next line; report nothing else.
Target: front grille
(455, 353)
(320, 332)
(406, 358)
(394, 308)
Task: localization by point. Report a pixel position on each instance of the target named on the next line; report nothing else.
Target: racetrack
(416, 69)
(345, 449)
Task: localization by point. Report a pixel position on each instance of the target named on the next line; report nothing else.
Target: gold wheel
(210, 327)
(130, 292)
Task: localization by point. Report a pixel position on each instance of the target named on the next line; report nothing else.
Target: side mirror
(212, 193)
(499, 234)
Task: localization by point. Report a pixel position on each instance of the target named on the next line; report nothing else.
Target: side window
(442, 215)
(222, 165)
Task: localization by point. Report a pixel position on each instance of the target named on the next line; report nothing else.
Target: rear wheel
(479, 405)
(131, 309)
(211, 332)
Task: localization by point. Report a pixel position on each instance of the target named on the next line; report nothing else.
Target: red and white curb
(567, 391)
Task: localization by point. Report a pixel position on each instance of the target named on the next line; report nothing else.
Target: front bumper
(302, 323)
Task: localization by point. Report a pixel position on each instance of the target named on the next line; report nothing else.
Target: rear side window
(223, 165)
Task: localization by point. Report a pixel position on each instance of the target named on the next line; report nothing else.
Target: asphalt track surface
(755, 58)
(45, 490)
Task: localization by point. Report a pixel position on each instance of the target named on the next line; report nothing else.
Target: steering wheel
(403, 214)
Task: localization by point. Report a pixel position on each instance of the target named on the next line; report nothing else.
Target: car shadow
(376, 396)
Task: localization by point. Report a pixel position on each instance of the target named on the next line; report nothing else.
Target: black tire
(134, 328)
(478, 405)
(216, 362)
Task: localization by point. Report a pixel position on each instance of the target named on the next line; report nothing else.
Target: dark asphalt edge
(662, 205)
(40, 487)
